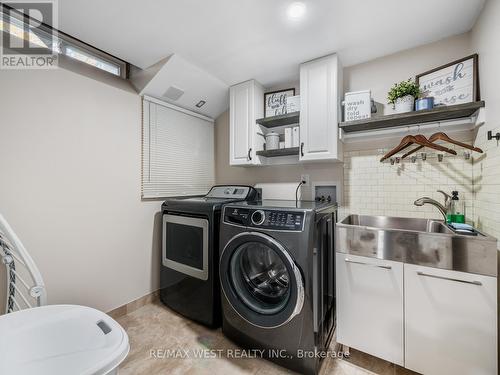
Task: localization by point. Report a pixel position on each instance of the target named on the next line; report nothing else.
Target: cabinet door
(246, 103)
(370, 305)
(320, 82)
(451, 322)
(239, 123)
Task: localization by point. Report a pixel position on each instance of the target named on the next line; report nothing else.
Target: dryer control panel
(231, 192)
(265, 219)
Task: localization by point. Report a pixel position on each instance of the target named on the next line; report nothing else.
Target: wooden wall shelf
(281, 120)
(293, 151)
(413, 118)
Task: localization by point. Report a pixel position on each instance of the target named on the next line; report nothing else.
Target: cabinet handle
(249, 157)
(368, 264)
(302, 149)
(450, 279)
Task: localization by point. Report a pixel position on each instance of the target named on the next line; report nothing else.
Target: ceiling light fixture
(296, 10)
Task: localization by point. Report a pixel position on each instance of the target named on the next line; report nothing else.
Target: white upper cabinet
(451, 322)
(320, 88)
(320, 92)
(246, 104)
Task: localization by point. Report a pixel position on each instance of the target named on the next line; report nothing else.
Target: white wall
(70, 164)
(381, 74)
(486, 171)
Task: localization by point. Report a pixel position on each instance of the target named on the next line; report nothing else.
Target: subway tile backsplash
(486, 179)
(375, 188)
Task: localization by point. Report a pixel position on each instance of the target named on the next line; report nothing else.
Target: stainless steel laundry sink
(398, 223)
(424, 242)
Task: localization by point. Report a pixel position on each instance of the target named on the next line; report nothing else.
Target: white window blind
(178, 151)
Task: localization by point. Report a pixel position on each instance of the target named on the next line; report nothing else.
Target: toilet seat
(61, 340)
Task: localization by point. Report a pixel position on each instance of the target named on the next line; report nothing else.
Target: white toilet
(61, 339)
(53, 339)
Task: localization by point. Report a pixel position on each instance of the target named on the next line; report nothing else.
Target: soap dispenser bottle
(457, 209)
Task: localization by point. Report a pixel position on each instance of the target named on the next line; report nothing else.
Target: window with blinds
(178, 151)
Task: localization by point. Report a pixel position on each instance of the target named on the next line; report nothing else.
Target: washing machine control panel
(265, 219)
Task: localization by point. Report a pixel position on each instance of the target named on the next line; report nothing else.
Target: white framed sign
(275, 102)
(357, 105)
(453, 83)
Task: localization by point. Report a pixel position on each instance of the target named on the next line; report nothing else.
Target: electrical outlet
(305, 179)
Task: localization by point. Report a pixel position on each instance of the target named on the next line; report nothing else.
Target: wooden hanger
(417, 139)
(405, 142)
(444, 137)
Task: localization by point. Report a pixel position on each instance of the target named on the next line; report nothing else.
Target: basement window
(178, 151)
(44, 36)
(95, 61)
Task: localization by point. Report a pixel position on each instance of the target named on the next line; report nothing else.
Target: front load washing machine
(277, 278)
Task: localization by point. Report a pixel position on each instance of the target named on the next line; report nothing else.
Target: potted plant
(402, 95)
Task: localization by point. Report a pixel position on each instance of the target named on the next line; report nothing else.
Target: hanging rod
(457, 125)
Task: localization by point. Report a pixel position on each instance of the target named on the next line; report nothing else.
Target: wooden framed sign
(453, 83)
(275, 102)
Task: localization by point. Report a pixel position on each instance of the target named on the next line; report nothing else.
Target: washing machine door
(260, 280)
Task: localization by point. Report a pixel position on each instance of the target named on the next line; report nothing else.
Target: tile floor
(153, 329)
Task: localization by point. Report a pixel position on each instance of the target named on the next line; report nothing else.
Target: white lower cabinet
(450, 322)
(370, 305)
(449, 318)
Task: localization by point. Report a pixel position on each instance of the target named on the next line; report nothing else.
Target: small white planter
(404, 104)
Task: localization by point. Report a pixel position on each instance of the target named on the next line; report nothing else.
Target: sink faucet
(443, 209)
(447, 200)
